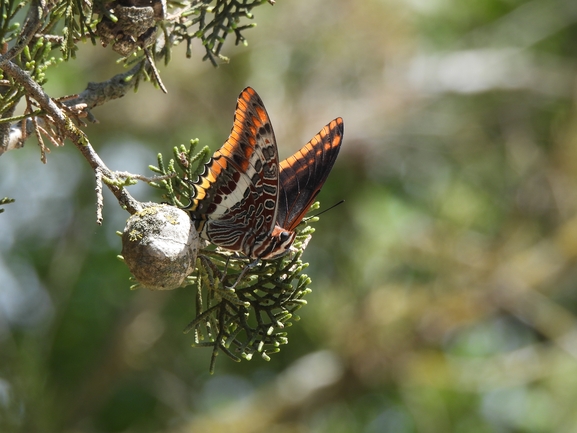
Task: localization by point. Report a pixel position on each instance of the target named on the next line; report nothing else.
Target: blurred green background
(444, 289)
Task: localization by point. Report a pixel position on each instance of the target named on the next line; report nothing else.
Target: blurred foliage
(444, 289)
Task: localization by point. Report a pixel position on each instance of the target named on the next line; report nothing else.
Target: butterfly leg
(248, 267)
(224, 272)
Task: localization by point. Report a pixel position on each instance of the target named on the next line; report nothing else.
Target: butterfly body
(245, 200)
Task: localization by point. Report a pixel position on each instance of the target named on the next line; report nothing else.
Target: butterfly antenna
(326, 210)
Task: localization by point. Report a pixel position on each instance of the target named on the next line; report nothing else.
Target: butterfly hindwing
(303, 174)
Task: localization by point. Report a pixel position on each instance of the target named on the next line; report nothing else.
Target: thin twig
(43, 148)
(99, 93)
(52, 136)
(127, 175)
(155, 72)
(99, 196)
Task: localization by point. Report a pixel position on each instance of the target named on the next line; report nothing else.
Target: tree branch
(94, 95)
(69, 130)
(97, 94)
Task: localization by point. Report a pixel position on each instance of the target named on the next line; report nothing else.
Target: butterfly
(245, 200)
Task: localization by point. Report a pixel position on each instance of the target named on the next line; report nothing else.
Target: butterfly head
(279, 244)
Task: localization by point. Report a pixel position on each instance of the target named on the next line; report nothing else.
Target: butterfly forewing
(303, 174)
(235, 197)
(245, 200)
